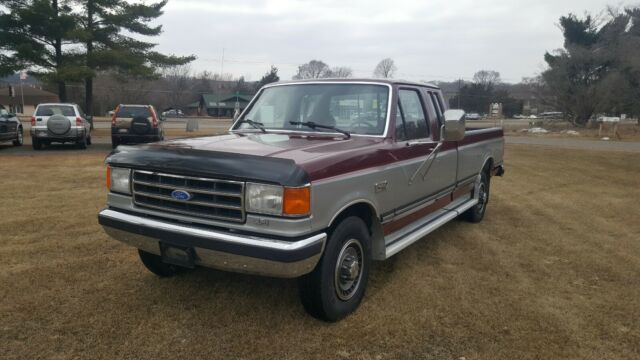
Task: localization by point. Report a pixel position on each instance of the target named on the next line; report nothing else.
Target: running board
(417, 234)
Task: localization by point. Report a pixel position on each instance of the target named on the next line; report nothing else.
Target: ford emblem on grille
(180, 195)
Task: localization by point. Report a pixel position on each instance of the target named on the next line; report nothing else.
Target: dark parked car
(10, 128)
(135, 124)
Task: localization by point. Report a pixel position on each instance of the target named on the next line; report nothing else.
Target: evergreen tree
(268, 78)
(104, 28)
(32, 36)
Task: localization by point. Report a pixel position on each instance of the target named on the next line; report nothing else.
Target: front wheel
(337, 285)
(19, 138)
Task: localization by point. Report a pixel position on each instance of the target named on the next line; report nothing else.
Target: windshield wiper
(313, 125)
(256, 124)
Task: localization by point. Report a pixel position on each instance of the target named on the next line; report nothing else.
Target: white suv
(61, 123)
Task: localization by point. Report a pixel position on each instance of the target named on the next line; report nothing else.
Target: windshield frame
(237, 122)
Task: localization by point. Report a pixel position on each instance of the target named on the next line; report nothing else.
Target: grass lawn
(551, 273)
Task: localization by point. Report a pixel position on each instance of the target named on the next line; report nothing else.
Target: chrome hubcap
(348, 271)
(482, 197)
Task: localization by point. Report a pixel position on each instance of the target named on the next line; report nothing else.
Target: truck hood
(271, 158)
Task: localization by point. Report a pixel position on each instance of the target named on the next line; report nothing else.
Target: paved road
(578, 144)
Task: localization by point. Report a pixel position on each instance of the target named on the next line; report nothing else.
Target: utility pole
(459, 87)
(222, 65)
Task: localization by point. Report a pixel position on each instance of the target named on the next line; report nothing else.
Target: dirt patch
(552, 272)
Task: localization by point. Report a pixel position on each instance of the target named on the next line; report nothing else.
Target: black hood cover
(176, 158)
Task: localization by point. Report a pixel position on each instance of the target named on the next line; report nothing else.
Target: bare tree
(487, 78)
(341, 72)
(314, 69)
(385, 69)
(179, 85)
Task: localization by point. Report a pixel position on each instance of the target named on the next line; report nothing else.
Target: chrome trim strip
(188, 177)
(386, 130)
(427, 228)
(210, 234)
(187, 188)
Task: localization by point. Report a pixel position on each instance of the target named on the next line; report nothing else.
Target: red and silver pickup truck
(315, 179)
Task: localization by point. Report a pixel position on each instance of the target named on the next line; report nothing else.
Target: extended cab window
(411, 115)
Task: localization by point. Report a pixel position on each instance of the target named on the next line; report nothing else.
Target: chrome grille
(210, 198)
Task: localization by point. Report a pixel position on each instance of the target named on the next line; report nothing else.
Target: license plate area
(123, 130)
(176, 255)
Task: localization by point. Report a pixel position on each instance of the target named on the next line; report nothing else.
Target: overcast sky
(428, 39)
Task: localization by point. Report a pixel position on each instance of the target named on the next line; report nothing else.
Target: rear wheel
(476, 213)
(89, 139)
(19, 138)
(154, 264)
(337, 285)
(82, 143)
(36, 143)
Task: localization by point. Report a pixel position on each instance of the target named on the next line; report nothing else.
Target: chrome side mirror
(454, 125)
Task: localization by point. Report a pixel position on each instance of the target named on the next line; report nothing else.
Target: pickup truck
(315, 179)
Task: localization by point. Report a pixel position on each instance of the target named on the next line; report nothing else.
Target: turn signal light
(108, 177)
(296, 201)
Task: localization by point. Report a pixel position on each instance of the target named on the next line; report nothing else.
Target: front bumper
(217, 249)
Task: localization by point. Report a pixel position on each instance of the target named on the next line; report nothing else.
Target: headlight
(264, 199)
(118, 180)
(278, 200)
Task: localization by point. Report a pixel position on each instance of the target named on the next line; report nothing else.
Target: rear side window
(50, 110)
(134, 111)
(437, 105)
(414, 121)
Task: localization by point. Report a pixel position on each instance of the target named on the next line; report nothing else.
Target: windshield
(134, 111)
(50, 110)
(355, 108)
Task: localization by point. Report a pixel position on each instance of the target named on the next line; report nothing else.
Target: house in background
(32, 97)
(219, 105)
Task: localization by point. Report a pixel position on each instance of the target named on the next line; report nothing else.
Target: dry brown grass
(552, 272)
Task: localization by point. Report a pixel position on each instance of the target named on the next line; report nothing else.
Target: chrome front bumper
(217, 249)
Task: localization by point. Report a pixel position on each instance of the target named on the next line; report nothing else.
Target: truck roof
(359, 80)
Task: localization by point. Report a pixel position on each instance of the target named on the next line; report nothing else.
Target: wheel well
(368, 214)
(488, 166)
(362, 210)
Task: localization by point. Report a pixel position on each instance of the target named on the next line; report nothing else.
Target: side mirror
(454, 125)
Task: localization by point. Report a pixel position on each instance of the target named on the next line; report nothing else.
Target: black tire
(154, 264)
(82, 143)
(19, 138)
(476, 213)
(89, 139)
(36, 144)
(337, 285)
(114, 142)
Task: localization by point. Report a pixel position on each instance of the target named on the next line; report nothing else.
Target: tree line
(72, 41)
